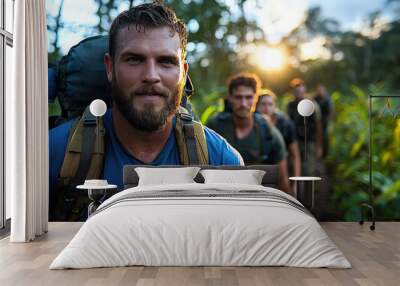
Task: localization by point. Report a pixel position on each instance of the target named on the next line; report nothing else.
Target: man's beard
(243, 112)
(148, 118)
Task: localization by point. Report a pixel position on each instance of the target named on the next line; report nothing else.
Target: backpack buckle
(186, 117)
(89, 122)
(184, 114)
(89, 119)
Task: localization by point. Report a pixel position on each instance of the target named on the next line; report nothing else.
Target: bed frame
(270, 179)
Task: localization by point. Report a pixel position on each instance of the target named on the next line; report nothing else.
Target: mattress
(201, 225)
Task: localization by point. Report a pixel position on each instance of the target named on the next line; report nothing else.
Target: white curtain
(27, 124)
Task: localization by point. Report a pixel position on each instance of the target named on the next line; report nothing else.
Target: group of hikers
(149, 124)
(263, 134)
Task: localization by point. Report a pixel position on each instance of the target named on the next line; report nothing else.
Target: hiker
(314, 129)
(248, 132)
(267, 106)
(146, 67)
(324, 101)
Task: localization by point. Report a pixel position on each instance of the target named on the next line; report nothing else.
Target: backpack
(81, 79)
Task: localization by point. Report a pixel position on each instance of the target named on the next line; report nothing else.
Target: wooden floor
(374, 255)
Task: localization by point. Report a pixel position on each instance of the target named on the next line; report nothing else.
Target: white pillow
(248, 177)
(163, 176)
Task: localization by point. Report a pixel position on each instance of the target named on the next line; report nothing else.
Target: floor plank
(374, 255)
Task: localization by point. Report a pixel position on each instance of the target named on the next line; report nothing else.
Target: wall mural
(249, 67)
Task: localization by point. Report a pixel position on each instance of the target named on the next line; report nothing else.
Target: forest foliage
(358, 64)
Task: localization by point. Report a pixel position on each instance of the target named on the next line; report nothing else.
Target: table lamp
(98, 108)
(96, 188)
(305, 108)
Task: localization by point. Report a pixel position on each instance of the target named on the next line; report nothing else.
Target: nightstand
(96, 194)
(301, 190)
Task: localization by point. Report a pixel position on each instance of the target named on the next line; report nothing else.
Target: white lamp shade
(98, 107)
(305, 107)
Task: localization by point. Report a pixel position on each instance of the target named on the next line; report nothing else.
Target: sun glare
(268, 58)
(314, 49)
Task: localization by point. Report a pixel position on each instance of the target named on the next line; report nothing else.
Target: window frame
(6, 39)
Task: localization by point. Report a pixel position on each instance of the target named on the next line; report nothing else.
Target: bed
(201, 223)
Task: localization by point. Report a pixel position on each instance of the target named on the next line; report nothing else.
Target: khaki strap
(74, 158)
(191, 140)
(188, 130)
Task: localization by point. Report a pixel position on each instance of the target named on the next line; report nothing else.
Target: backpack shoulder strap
(191, 139)
(83, 159)
(85, 150)
(222, 123)
(264, 132)
(264, 126)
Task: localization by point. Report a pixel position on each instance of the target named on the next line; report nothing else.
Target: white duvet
(266, 229)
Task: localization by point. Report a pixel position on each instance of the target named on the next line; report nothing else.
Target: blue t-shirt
(219, 152)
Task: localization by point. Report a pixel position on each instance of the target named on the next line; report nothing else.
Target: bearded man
(256, 139)
(147, 70)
